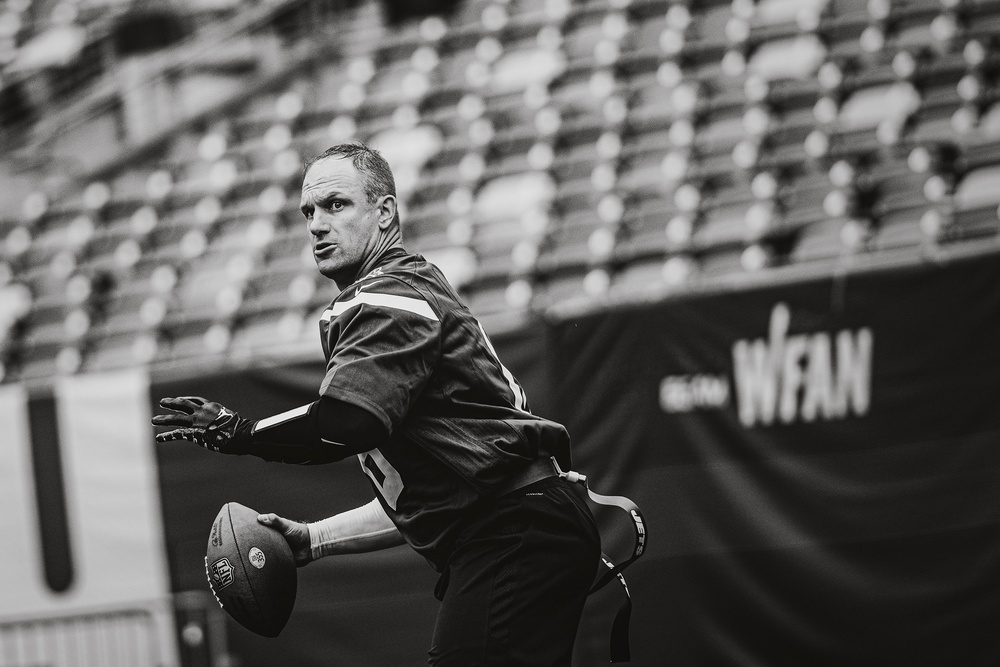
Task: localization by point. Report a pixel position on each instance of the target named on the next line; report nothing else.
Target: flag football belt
(619, 629)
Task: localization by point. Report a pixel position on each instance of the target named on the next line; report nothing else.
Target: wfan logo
(807, 376)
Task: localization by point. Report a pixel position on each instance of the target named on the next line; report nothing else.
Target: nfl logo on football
(222, 572)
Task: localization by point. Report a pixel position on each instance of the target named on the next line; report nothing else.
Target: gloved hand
(203, 422)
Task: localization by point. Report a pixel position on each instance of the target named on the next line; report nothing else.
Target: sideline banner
(83, 575)
(818, 464)
(108, 492)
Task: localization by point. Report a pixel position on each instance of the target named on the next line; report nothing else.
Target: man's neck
(391, 240)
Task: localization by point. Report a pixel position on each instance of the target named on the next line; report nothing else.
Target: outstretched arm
(360, 530)
(321, 432)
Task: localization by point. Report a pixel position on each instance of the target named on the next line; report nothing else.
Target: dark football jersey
(400, 343)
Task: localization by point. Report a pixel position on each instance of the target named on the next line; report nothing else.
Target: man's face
(343, 225)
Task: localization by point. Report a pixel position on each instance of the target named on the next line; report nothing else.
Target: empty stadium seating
(548, 154)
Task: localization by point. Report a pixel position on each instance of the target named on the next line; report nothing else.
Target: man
(460, 468)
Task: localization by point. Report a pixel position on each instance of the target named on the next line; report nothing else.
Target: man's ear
(386, 211)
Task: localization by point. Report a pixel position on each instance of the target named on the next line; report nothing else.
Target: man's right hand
(203, 422)
(296, 534)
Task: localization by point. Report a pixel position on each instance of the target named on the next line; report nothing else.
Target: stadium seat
(829, 239)
(637, 280)
(650, 229)
(975, 205)
(722, 227)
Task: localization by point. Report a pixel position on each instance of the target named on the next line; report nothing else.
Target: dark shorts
(514, 589)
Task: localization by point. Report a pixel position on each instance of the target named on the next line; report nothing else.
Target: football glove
(206, 423)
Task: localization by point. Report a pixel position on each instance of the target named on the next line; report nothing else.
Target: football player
(461, 469)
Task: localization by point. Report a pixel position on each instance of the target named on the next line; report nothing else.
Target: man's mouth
(323, 248)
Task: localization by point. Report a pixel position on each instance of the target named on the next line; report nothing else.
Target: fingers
(274, 521)
(171, 420)
(183, 409)
(185, 404)
(197, 400)
(295, 533)
(178, 434)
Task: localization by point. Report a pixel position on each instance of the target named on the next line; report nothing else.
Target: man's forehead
(332, 171)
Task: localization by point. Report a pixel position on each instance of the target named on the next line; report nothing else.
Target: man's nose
(318, 225)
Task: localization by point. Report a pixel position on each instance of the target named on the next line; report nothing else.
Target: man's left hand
(206, 423)
(295, 533)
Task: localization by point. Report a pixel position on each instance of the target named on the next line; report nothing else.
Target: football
(251, 570)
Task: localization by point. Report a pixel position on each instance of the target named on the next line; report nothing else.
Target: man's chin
(342, 275)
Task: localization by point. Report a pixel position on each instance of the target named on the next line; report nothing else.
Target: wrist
(315, 541)
(241, 441)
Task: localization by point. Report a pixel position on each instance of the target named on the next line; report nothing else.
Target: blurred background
(745, 250)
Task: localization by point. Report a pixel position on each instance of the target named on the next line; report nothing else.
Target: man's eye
(336, 205)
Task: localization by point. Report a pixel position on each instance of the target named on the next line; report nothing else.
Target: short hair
(378, 175)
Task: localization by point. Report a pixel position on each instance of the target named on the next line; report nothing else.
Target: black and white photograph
(499, 333)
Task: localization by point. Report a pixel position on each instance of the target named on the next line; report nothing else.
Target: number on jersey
(381, 472)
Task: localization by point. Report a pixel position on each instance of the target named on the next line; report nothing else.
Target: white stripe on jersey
(294, 413)
(391, 483)
(519, 397)
(409, 304)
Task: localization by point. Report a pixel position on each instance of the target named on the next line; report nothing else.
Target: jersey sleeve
(385, 342)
